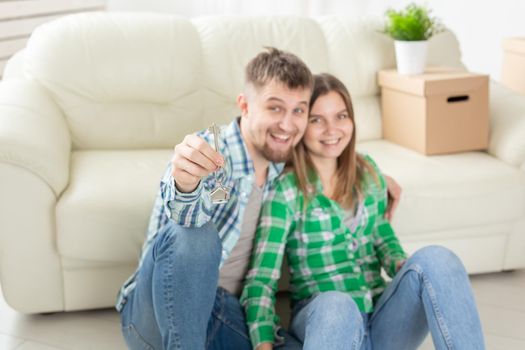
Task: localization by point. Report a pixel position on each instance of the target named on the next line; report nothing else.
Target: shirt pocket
(318, 219)
(315, 240)
(318, 229)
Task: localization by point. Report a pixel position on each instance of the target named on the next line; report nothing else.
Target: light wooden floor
(500, 298)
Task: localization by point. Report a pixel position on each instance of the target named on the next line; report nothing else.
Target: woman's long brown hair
(350, 166)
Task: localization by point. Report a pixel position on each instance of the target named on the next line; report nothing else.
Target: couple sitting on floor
(207, 277)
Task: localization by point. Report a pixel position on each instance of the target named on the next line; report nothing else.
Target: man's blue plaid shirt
(195, 209)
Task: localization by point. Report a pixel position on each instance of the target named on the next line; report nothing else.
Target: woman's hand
(265, 346)
(394, 195)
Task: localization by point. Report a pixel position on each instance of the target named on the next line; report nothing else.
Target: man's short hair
(281, 66)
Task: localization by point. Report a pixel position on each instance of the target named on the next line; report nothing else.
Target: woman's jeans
(176, 303)
(431, 292)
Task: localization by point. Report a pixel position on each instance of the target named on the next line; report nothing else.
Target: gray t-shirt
(353, 216)
(234, 269)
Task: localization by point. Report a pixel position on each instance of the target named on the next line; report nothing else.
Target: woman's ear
(242, 102)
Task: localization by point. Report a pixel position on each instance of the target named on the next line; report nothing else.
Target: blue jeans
(176, 303)
(431, 292)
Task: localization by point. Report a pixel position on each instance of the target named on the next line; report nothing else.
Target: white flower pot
(411, 56)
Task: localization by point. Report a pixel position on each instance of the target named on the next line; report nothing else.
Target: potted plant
(411, 28)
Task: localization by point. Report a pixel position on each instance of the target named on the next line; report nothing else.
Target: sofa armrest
(34, 133)
(507, 122)
(14, 68)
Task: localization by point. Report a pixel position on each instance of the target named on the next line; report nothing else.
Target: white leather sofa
(92, 107)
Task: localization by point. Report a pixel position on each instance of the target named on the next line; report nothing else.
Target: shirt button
(353, 245)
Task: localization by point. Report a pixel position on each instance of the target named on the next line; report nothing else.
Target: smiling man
(184, 294)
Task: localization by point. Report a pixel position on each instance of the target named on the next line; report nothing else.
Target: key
(220, 194)
(216, 134)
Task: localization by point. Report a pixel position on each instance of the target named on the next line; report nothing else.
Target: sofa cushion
(103, 214)
(446, 192)
(230, 42)
(106, 70)
(507, 124)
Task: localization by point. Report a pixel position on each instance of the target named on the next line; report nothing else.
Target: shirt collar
(242, 164)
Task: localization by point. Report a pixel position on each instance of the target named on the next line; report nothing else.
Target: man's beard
(276, 156)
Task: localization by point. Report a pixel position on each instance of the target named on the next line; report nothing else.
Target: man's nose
(287, 122)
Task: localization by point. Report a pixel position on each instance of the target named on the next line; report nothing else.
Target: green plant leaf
(413, 23)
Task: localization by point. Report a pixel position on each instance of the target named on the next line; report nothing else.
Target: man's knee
(191, 244)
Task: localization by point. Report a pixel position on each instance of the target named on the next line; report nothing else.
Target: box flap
(434, 81)
(516, 45)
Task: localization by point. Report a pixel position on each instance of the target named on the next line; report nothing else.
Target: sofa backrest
(137, 81)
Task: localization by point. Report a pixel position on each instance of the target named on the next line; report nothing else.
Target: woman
(327, 213)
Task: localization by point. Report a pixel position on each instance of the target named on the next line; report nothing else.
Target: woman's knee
(335, 307)
(437, 259)
(332, 320)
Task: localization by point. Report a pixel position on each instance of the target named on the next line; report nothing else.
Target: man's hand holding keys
(192, 160)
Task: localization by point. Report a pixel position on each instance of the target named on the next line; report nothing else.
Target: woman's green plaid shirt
(324, 254)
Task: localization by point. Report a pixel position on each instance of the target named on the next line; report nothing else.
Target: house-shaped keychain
(220, 195)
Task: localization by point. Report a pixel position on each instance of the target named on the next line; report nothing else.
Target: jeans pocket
(134, 340)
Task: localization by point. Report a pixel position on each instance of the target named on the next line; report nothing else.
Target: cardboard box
(513, 66)
(439, 111)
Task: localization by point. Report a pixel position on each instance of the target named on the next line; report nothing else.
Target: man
(184, 295)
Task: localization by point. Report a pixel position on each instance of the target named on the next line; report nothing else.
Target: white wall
(479, 25)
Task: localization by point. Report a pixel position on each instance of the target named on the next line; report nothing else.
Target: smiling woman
(330, 128)
(327, 217)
